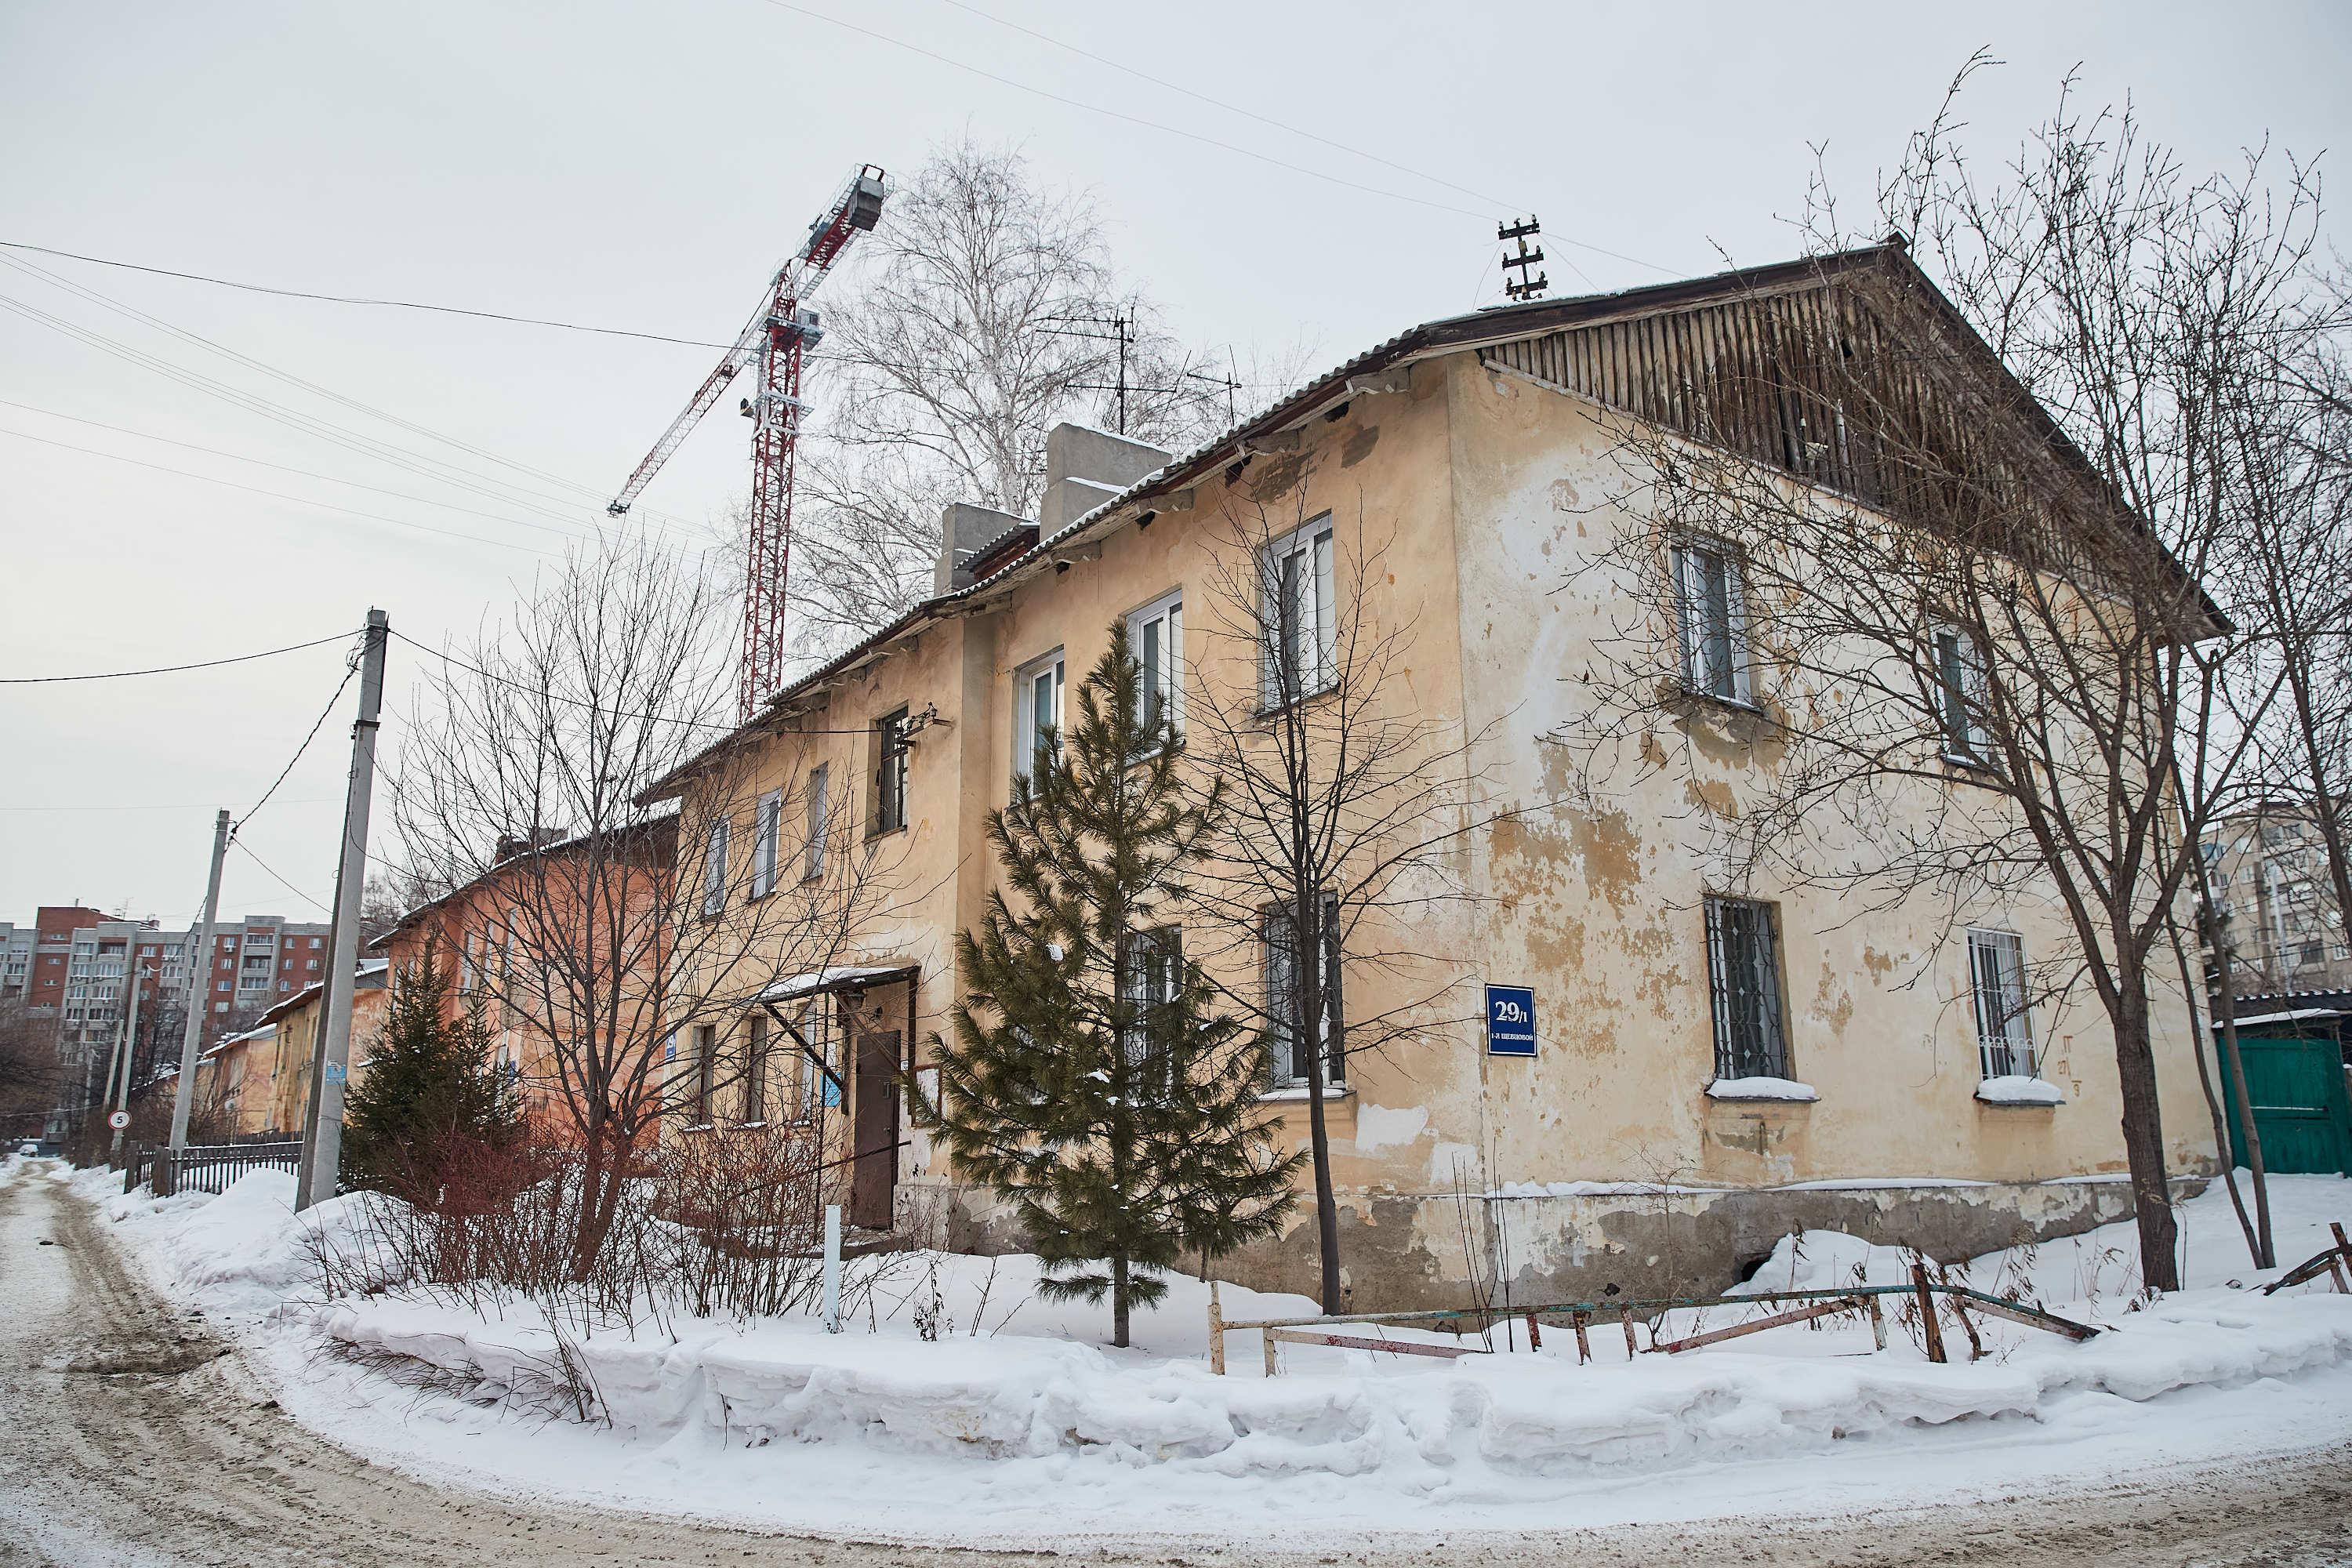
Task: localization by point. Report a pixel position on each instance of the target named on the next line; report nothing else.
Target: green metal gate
(2301, 1107)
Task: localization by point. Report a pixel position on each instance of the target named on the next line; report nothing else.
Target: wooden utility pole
(200, 993)
(331, 1052)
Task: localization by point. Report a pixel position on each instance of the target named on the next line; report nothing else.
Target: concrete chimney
(1084, 468)
(963, 529)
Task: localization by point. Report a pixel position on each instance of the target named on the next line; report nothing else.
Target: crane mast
(773, 342)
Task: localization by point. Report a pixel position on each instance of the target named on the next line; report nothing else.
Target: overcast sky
(645, 166)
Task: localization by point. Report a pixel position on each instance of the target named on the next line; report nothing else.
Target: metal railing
(205, 1167)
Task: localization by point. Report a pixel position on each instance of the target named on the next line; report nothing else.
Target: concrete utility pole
(121, 1086)
(200, 994)
(331, 1054)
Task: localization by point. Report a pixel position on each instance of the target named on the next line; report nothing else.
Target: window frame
(1163, 671)
(766, 832)
(1960, 689)
(1282, 633)
(1766, 1003)
(1282, 1025)
(1026, 740)
(891, 773)
(2008, 1040)
(819, 823)
(716, 839)
(1738, 651)
(706, 1071)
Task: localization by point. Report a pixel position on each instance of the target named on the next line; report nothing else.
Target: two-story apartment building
(1713, 1059)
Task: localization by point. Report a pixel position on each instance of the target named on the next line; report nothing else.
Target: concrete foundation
(1410, 1251)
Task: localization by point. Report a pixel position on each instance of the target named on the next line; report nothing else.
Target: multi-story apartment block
(2276, 903)
(1700, 1055)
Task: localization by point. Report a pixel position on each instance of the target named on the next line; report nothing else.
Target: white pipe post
(833, 1269)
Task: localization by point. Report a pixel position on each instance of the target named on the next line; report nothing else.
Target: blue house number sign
(1510, 1021)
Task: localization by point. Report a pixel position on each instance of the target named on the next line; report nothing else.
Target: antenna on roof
(1522, 287)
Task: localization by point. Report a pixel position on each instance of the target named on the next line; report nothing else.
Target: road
(129, 1436)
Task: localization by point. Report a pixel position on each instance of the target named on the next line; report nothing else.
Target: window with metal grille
(1711, 613)
(1288, 1041)
(2004, 1027)
(1743, 967)
(1152, 980)
(890, 771)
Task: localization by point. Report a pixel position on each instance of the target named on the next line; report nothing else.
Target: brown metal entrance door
(874, 1132)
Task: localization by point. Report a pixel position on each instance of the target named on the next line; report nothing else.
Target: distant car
(28, 1148)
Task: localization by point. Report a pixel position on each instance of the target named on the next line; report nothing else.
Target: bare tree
(32, 1074)
(520, 787)
(1345, 804)
(985, 309)
(1958, 591)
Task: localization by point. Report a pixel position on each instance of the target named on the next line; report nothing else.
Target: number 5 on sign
(1510, 1021)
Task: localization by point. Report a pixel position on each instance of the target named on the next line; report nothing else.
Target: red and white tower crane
(776, 336)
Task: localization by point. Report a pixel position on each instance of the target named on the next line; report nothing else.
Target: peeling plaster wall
(1486, 498)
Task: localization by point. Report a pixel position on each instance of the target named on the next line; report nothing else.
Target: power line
(1229, 108)
(171, 668)
(350, 669)
(281, 495)
(265, 463)
(256, 404)
(189, 805)
(952, 62)
(354, 300)
(547, 695)
(281, 882)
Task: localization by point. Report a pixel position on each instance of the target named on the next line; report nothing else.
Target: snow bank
(1013, 1426)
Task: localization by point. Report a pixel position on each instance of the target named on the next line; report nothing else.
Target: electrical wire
(548, 695)
(168, 670)
(265, 463)
(581, 493)
(354, 300)
(350, 669)
(281, 495)
(282, 882)
(954, 63)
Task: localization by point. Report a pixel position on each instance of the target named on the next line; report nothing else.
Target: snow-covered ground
(1017, 1425)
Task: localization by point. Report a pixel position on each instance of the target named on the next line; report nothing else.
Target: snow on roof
(834, 979)
(2291, 1015)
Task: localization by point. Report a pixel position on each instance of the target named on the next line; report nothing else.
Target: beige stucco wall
(1481, 495)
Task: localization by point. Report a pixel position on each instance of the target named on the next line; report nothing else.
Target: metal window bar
(1743, 972)
(1997, 978)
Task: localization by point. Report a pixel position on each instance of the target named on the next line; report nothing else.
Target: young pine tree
(1090, 1080)
(430, 1094)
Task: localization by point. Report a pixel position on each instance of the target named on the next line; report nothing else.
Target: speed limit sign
(118, 1121)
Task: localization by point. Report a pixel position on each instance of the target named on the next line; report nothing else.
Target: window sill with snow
(2018, 1089)
(1784, 1089)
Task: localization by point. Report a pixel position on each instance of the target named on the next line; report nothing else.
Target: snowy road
(129, 1435)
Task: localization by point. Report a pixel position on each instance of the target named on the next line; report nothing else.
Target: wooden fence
(1581, 1317)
